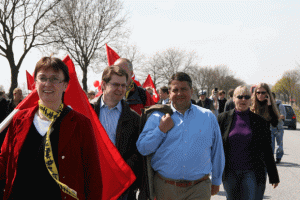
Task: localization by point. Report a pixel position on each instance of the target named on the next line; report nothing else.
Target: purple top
(239, 142)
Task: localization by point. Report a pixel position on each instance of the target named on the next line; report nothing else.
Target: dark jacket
(138, 99)
(11, 106)
(3, 108)
(208, 104)
(126, 137)
(229, 105)
(222, 105)
(261, 150)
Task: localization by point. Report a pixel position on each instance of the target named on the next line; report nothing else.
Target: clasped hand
(166, 123)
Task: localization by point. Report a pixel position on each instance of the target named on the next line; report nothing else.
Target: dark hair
(111, 70)
(53, 63)
(274, 95)
(221, 92)
(165, 89)
(230, 92)
(181, 76)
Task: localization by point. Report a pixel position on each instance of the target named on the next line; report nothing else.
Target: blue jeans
(243, 184)
(277, 133)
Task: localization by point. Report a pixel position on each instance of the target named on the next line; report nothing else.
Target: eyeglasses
(53, 80)
(243, 96)
(261, 92)
(117, 85)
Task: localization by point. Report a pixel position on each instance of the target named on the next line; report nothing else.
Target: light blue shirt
(190, 150)
(109, 119)
(165, 101)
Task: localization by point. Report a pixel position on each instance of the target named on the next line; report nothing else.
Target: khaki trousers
(166, 191)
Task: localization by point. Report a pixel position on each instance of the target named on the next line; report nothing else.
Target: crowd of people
(193, 148)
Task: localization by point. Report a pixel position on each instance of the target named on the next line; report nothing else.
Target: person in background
(205, 102)
(163, 95)
(229, 104)
(248, 152)
(222, 101)
(264, 104)
(277, 132)
(136, 97)
(17, 98)
(214, 97)
(186, 147)
(49, 141)
(91, 95)
(120, 122)
(3, 106)
(3, 115)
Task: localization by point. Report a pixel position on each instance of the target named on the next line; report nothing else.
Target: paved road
(289, 171)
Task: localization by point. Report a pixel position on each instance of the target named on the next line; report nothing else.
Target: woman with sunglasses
(264, 104)
(248, 151)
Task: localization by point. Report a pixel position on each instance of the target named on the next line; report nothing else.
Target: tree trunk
(14, 80)
(84, 78)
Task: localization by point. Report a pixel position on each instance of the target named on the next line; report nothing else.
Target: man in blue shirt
(185, 147)
(120, 122)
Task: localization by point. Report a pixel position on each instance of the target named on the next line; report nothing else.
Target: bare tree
(164, 64)
(82, 27)
(22, 23)
(132, 52)
(208, 78)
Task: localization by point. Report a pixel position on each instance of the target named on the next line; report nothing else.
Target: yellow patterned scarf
(129, 89)
(48, 155)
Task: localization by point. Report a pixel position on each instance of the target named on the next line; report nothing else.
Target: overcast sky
(258, 40)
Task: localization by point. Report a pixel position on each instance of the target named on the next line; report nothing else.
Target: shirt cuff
(216, 181)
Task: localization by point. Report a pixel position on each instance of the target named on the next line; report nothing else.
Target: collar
(166, 100)
(103, 105)
(189, 110)
(242, 113)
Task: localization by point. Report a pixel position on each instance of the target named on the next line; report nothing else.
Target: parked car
(291, 119)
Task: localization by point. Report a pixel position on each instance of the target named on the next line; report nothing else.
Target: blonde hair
(17, 90)
(243, 90)
(263, 110)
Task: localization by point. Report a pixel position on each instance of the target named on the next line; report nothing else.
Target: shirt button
(65, 197)
(64, 177)
(183, 166)
(63, 157)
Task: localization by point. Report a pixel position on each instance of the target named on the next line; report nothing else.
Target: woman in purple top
(248, 152)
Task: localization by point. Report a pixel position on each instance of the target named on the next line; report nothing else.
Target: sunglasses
(245, 96)
(261, 92)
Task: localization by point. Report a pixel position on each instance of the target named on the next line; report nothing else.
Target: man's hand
(275, 185)
(166, 123)
(215, 189)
